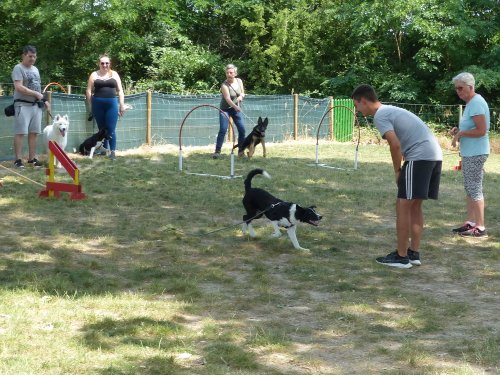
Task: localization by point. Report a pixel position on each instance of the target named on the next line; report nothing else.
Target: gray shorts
(473, 171)
(28, 119)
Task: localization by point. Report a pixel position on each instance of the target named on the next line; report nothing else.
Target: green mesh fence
(167, 113)
(343, 119)
(201, 127)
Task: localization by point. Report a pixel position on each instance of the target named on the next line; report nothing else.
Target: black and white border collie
(94, 141)
(258, 202)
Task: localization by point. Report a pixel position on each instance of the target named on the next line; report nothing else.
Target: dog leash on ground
(20, 175)
(235, 225)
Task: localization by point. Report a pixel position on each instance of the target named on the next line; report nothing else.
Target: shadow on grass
(162, 338)
(134, 232)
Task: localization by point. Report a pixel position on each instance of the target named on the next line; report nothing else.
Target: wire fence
(155, 118)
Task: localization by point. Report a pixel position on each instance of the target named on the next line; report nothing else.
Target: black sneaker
(463, 228)
(395, 260)
(18, 163)
(112, 155)
(474, 232)
(414, 257)
(35, 162)
(216, 155)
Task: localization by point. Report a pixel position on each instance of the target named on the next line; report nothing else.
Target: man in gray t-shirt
(411, 141)
(28, 103)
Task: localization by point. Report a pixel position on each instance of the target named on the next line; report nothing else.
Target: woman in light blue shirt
(472, 133)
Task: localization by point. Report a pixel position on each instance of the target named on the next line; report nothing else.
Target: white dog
(57, 132)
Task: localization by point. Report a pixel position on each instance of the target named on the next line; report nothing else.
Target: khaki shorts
(28, 119)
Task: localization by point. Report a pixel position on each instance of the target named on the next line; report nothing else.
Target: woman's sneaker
(395, 260)
(216, 155)
(414, 257)
(463, 228)
(475, 232)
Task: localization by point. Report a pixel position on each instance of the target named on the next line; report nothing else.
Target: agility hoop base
(322, 165)
(213, 175)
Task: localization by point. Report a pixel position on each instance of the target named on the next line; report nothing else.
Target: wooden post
(460, 111)
(295, 116)
(49, 99)
(68, 89)
(148, 118)
(330, 118)
(230, 135)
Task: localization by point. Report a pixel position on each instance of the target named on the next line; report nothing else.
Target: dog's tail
(248, 180)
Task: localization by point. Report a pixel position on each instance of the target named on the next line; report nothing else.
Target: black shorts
(419, 179)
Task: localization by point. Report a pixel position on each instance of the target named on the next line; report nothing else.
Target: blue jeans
(105, 111)
(224, 123)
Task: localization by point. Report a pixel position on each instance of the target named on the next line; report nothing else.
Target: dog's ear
(66, 118)
(57, 118)
(266, 121)
(259, 121)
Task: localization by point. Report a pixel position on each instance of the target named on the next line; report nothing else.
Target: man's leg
(403, 225)
(32, 145)
(18, 145)
(417, 224)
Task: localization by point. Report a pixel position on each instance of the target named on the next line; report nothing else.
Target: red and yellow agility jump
(52, 188)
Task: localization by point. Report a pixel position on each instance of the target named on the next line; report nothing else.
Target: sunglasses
(105, 63)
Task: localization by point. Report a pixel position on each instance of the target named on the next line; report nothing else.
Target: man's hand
(398, 173)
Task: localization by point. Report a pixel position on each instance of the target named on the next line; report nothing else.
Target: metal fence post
(330, 118)
(295, 116)
(148, 118)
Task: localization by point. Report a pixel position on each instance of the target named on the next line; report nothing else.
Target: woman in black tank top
(102, 88)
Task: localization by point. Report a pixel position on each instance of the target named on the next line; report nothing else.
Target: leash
(244, 114)
(20, 175)
(235, 225)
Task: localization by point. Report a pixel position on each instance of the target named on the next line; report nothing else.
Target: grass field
(129, 281)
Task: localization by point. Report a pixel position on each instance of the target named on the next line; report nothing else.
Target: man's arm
(20, 88)
(395, 147)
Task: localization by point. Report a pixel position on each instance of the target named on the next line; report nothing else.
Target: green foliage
(408, 50)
